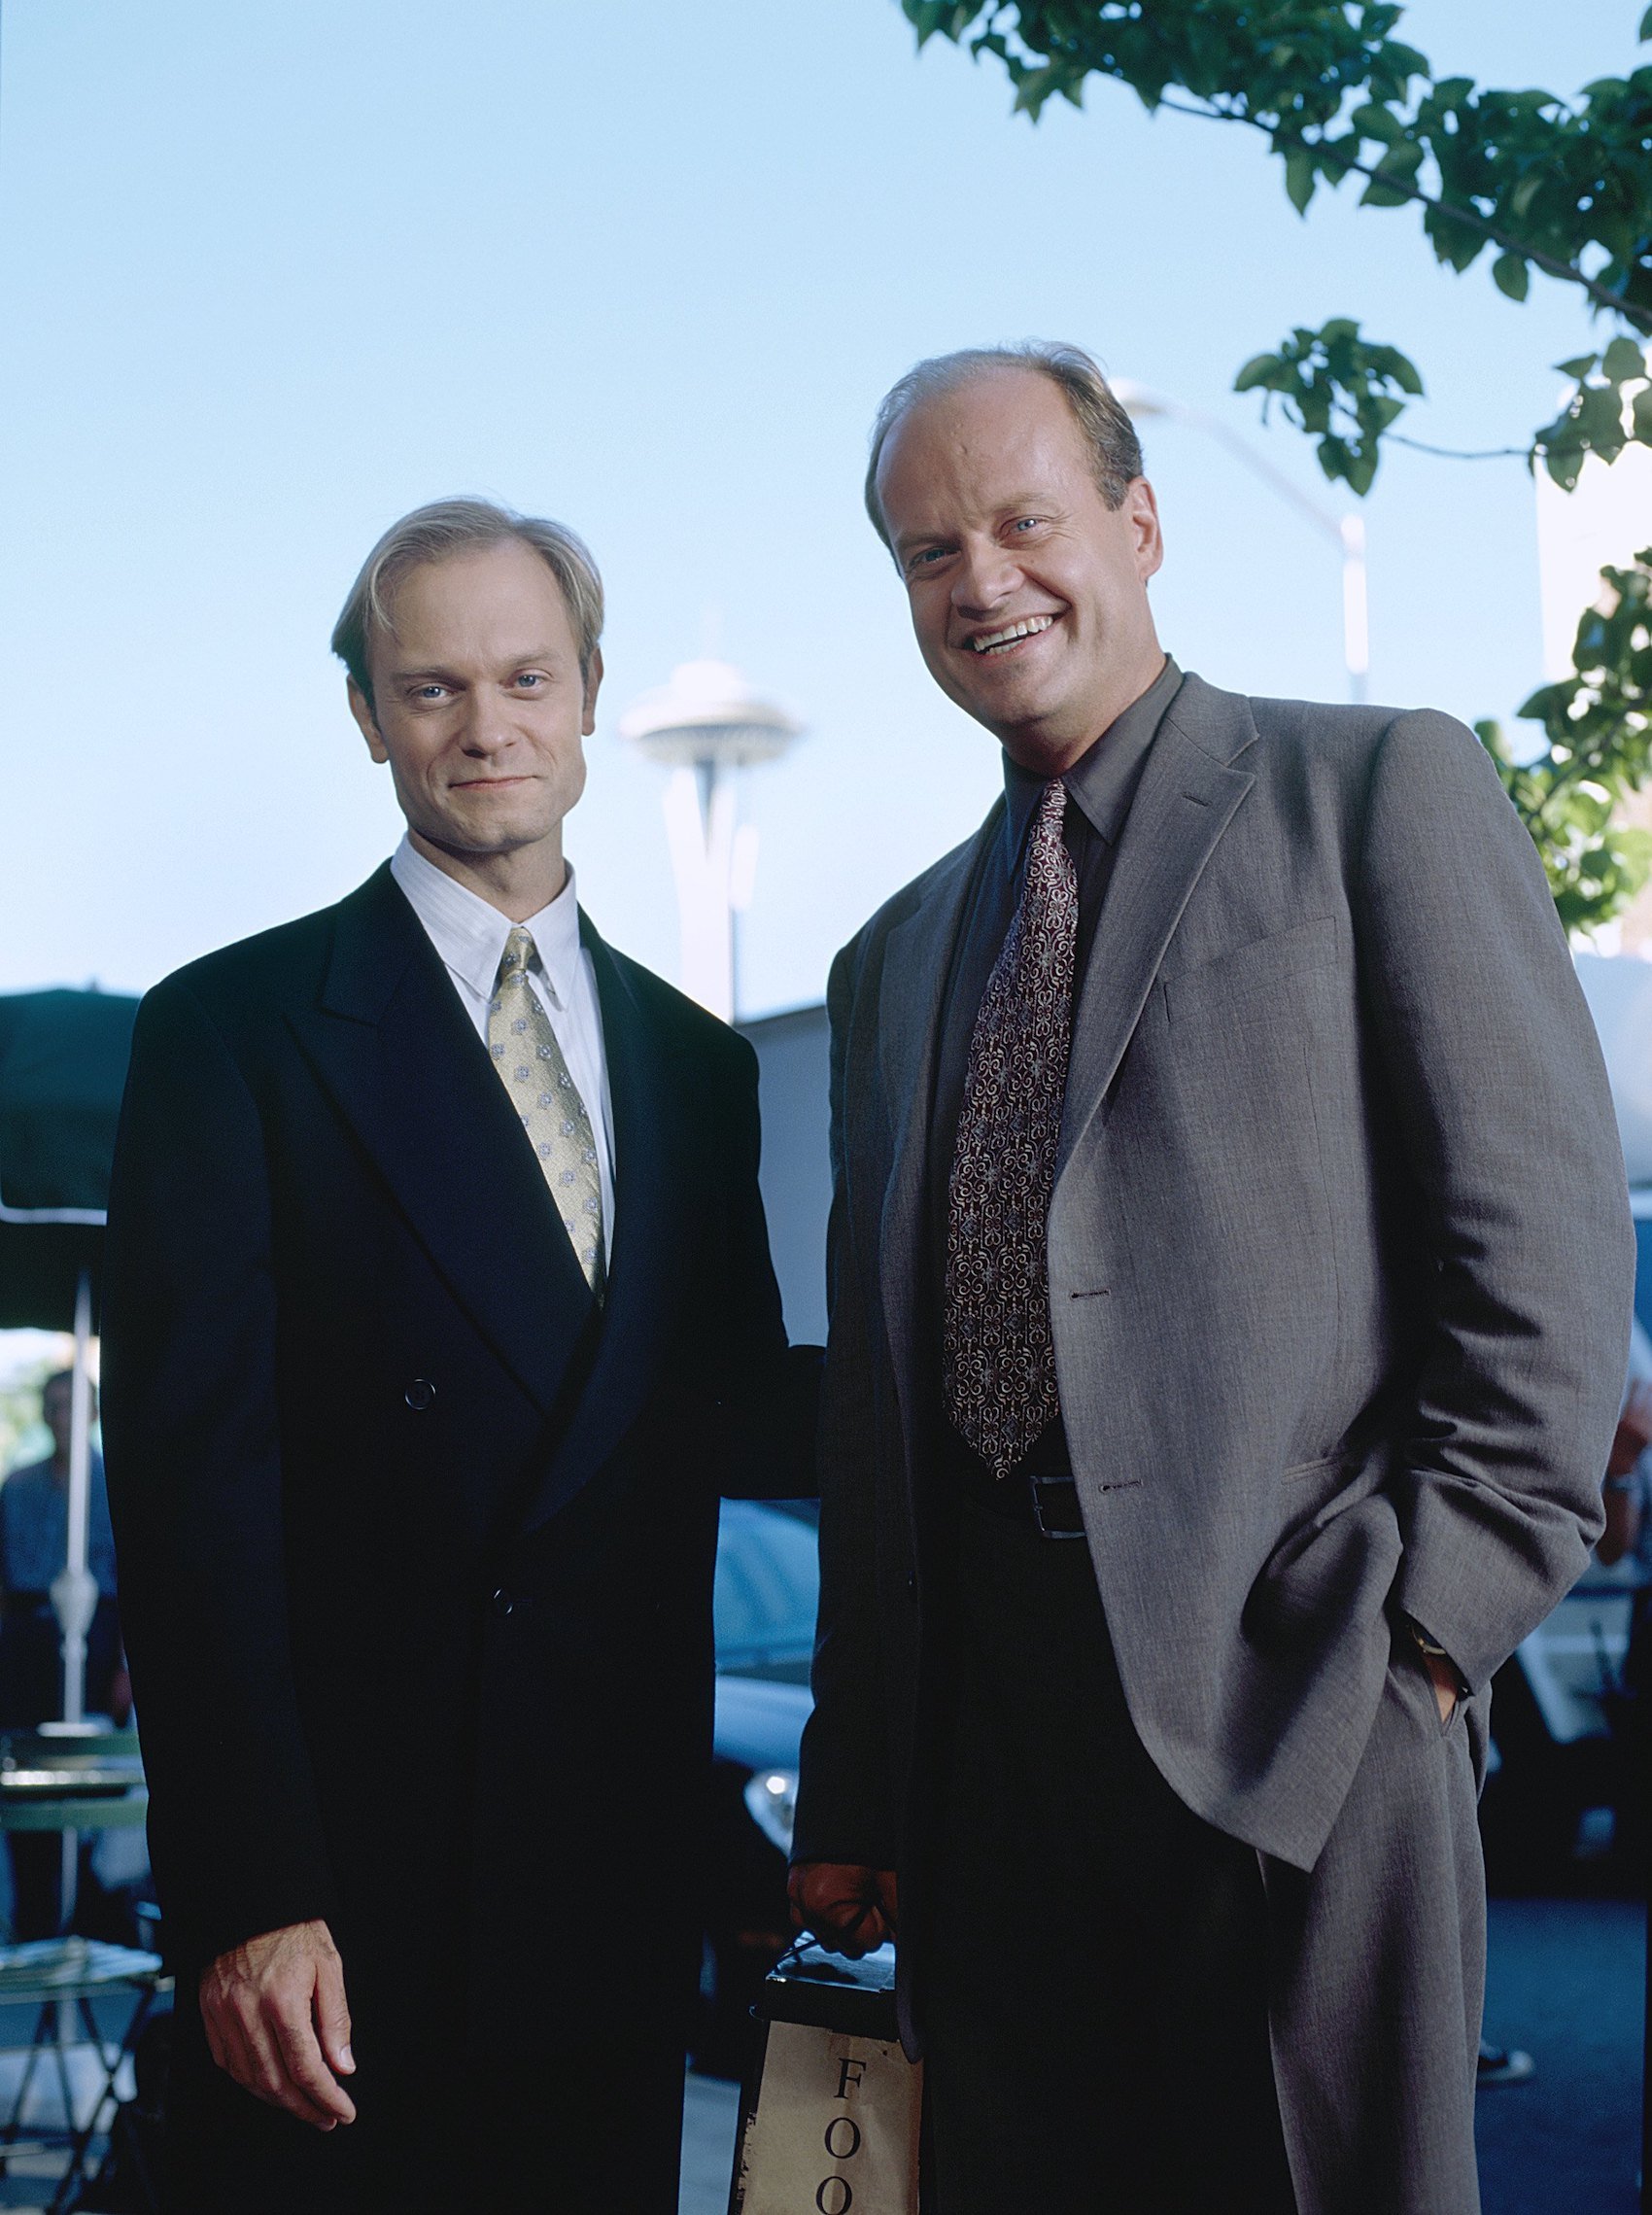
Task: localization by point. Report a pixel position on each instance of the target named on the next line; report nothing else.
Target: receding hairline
(932, 395)
(1097, 414)
(941, 394)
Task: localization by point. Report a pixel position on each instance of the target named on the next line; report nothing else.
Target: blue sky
(270, 276)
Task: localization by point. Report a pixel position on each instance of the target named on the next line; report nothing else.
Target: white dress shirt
(470, 935)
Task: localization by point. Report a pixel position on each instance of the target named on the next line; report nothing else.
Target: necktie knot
(1049, 863)
(517, 956)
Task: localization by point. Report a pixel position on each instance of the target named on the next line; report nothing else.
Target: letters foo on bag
(829, 2122)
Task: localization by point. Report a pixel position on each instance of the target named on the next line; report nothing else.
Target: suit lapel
(1185, 802)
(648, 1272)
(394, 1046)
(916, 957)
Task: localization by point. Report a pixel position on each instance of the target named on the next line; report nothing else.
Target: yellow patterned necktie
(531, 1066)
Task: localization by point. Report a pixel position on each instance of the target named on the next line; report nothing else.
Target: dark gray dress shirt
(1100, 786)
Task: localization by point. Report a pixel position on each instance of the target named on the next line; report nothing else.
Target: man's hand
(849, 1909)
(1443, 1677)
(276, 2021)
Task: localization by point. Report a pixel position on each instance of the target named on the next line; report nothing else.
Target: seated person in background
(1627, 1539)
(1627, 1487)
(34, 1542)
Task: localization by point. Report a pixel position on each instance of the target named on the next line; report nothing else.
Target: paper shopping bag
(829, 2113)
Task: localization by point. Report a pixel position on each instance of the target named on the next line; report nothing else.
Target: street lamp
(703, 726)
(1348, 530)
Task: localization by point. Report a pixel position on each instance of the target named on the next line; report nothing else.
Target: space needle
(704, 725)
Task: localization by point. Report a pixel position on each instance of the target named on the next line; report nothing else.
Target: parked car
(1558, 1776)
(768, 1585)
(1566, 1799)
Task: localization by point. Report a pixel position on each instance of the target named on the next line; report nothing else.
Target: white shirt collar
(471, 936)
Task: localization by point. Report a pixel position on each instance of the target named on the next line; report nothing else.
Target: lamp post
(1346, 531)
(703, 725)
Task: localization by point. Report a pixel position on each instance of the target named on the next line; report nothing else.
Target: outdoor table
(72, 1784)
(62, 1978)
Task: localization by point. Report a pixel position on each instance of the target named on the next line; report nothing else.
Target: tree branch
(1461, 454)
(1551, 264)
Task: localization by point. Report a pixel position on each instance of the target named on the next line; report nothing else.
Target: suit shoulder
(268, 964)
(912, 896)
(695, 1028)
(1302, 746)
(1349, 734)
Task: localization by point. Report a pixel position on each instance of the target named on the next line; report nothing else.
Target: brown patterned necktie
(1000, 1359)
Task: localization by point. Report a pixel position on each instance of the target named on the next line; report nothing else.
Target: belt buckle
(1037, 1486)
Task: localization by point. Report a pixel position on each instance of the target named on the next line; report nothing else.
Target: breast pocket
(1252, 978)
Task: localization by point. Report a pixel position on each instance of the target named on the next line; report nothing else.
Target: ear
(1141, 510)
(361, 708)
(593, 684)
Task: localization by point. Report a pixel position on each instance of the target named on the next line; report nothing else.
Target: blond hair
(437, 533)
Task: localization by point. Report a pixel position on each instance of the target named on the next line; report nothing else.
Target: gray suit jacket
(1340, 1264)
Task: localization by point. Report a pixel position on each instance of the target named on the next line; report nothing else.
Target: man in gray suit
(1230, 1281)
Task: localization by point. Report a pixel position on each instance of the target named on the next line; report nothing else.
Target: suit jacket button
(419, 1394)
(503, 1602)
(912, 1582)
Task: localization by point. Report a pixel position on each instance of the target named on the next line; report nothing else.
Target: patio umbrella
(62, 1066)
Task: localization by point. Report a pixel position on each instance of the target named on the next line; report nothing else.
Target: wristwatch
(1431, 1650)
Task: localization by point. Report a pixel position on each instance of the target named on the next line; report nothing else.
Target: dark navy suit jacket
(416, 1547)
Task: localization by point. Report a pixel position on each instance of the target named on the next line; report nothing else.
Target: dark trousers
(589, 2129)
(1091, 1959)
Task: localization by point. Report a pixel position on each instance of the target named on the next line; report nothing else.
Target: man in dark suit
(440, 1311)
(1230, 1284)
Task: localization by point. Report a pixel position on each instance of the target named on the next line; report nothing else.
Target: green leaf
(1645, 30)
(1405, 374)
(1456, 243)
(1376, 122)
(1300, 177)
(1259, 370)
(926, 18)
(1510, 275)
(1579, 365)
(1381, 192)
(1622, 360)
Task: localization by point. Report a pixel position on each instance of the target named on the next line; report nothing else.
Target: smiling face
(1028, 592)
(479, 707)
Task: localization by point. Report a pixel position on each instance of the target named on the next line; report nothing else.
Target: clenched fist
(849, 1909)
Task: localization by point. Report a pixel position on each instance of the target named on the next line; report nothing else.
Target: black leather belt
(1044, 1500)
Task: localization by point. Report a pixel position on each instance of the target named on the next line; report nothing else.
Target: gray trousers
(1377, 1970)
(1102, 1979)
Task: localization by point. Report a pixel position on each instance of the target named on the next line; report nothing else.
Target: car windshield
(768, 1585)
